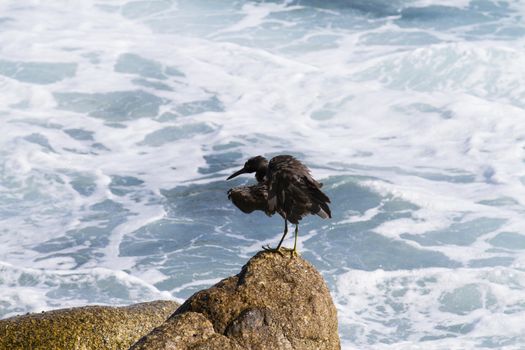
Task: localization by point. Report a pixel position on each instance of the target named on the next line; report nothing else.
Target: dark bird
(285, 186)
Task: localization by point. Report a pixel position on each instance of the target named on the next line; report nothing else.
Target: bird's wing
(273, 189)
(293, 191)
(279, 181)
(318, 199)
(250, 198)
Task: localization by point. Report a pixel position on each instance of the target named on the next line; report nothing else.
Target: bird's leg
(281, 241)
(294, 251)
(284, 234)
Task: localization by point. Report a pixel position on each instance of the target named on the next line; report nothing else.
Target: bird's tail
(320, 200)
(324, 211)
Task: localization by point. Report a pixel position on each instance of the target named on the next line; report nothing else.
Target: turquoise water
(122, 119)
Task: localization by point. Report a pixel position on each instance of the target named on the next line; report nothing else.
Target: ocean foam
(121, 122)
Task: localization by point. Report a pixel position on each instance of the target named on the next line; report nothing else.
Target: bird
(284, 185)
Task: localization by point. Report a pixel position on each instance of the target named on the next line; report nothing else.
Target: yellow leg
(294, 252)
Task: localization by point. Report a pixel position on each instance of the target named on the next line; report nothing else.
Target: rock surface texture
(84, 328)
(275, 302)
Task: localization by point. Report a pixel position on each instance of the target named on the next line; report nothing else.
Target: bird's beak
(237, 173)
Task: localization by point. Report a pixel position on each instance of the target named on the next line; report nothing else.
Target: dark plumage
(257, 165)
(250, 198)
(255, 197)
(284, 186)
(292, 189)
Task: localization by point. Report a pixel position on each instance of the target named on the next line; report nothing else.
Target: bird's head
(252, 165)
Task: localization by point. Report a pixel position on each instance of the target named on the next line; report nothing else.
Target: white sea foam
(470, 305)
(27, 289)
(121, 120)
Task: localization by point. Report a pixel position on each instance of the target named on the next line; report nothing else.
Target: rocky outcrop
(84, 328)
(275, 302)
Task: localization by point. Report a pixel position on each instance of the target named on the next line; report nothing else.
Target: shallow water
(121, 120)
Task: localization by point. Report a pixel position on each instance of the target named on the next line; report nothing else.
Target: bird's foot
(272, 250)
(280, 250)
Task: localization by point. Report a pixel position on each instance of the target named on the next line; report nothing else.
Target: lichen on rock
(84, 328)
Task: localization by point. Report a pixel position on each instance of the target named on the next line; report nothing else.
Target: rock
(275, 302)
(83, 328)
(189, 330)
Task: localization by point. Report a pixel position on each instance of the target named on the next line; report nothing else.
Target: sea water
(120, 121)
